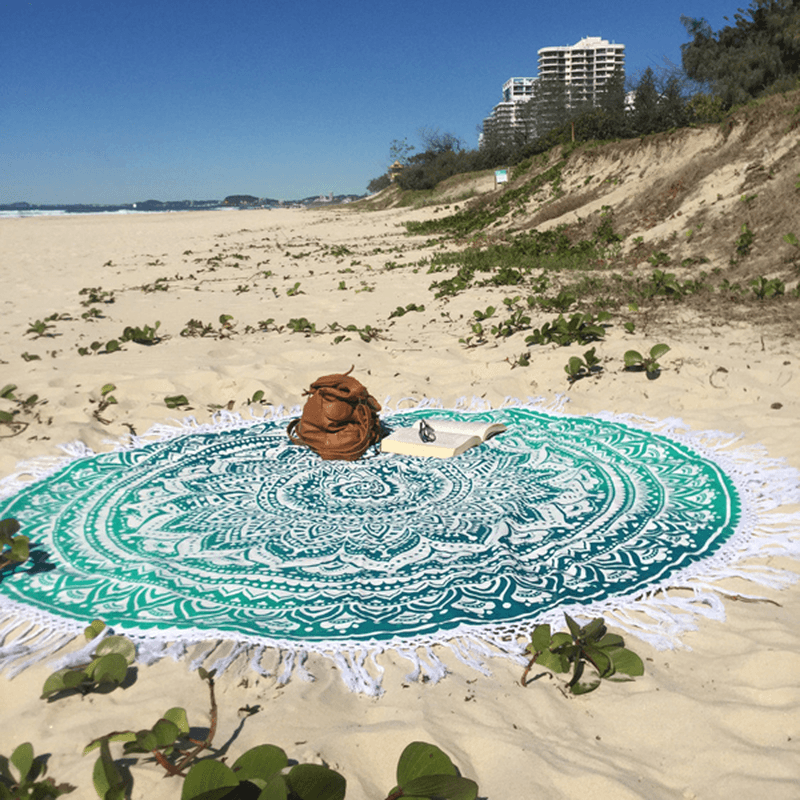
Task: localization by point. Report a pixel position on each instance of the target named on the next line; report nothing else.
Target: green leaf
(540, 638)
(595, 629)
(208, 780)
(117, 644)
(584, 688)
(109, 387)
(8, 391)
(112, 346)
(123, 736)
(19, 549)
(315, 782)
(111, 668)
(573, 366)
(611, 640)
(573, 626)
(260, 762)
(54, 684)
(627, 662)
(421, 758)
(108, 781)
(165, 732)
(176, 400)
(452, 787)
(555, 662)
(602, 662)
(22, 759)
(8, 527)
(658, 350)
(559, 640)
(177, 716)
(94, 630)
(632, 358)
(275, 789)
(146, 741)
(73, 678)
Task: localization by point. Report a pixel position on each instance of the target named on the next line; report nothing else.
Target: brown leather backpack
(339, 420)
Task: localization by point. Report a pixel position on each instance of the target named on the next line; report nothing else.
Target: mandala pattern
(238, 531)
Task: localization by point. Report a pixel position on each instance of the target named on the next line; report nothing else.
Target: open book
(452, 438)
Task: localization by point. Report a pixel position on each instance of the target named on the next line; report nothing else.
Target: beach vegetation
(106, 399)
(748, 59)
(577, 367)
(92, 314)
(522, 360)
(14, 547)
(97, 348)
(256, 399)
(744, 242)
(518, 319)
(579, 328)
(401, 311)
(96, 294)
(27, 406)
(636, 362)
(177, 401)
(366, 333)
(40, 328)
(30, 357)
(590, 646)
(159, 285)
(263, 772)
(196, 327)
(302, 325)
(146, 335)
(108, 666)
(293, 291)
(767, 288)
(29, 782)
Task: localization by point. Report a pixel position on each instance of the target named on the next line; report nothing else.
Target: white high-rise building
(583, 69)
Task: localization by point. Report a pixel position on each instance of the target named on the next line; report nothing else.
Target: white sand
(720, 719)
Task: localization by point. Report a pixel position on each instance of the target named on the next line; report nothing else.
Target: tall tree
(645, 114)
(759, 53)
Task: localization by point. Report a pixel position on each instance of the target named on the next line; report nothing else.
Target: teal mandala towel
(231, 533)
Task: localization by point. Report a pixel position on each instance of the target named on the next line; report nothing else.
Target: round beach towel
(231, 532)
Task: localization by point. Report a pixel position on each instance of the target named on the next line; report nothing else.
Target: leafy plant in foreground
(27, 785)
(589, 645)
(262, 772)
(13, 549)
(577, 367)
(634, 360)
(108, 665)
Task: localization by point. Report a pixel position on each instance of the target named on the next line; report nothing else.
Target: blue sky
(104, 101)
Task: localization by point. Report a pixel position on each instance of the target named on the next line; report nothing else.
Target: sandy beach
(716, 718)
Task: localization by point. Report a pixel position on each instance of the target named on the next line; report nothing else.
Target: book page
(480, 429)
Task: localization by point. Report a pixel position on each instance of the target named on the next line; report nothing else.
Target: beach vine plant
(262, 772)
(107, 666)
(577, 367)
(14, 548)
(29, 782)
(583, 646)
(579, 328)
(635, 361)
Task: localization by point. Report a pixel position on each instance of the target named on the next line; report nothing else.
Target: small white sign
(500, 175)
